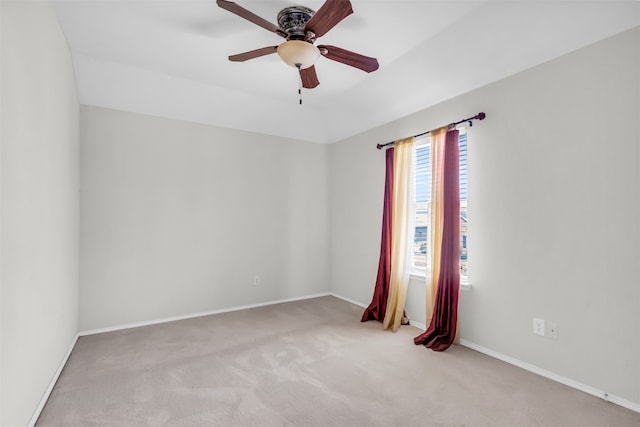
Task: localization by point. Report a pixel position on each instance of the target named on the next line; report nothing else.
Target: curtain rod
(479, 116)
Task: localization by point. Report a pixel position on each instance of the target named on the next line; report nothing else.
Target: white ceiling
(168, 58)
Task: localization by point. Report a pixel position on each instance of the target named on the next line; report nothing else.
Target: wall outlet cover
(538, 326)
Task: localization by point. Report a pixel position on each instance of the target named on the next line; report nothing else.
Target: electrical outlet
(538, 326)
(552, 330)
(256, 280)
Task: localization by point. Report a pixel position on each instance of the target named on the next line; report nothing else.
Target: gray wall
(40, 206)
(554, 209)
(177, 218)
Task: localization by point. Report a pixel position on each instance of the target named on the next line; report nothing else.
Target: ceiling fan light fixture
(298, 53)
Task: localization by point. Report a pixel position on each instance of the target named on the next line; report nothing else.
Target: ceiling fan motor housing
(292, 20)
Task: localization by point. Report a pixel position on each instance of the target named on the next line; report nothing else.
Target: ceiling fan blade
(241, 57)
(309, 77)
(250, 16)
(329, 14)
(365, 63)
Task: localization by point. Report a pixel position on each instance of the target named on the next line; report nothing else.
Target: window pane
(422, 206)
(464, 219)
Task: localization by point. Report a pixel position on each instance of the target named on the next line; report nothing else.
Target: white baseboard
(553, 376)
(354, 302)
(418, 325)
(359, 304)
(193, 315)
(52, 383)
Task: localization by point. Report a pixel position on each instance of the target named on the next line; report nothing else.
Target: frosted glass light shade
(294, 52)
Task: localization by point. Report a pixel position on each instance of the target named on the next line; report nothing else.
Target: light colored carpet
(305, 363)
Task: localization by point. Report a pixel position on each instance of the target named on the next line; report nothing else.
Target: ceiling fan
(300, 26)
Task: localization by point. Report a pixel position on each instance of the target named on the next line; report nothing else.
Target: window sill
(416, 274)
(419, 274)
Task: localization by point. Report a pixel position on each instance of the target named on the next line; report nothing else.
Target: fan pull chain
(299, 83)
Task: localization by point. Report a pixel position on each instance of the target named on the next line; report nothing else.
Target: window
(421, 259)
(422, 205)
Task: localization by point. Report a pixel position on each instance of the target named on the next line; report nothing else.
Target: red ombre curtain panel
(378, 306)
(442, 329)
